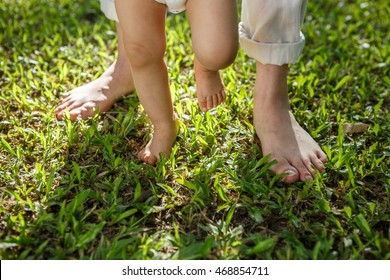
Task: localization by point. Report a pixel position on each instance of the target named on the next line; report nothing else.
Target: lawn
(77, 191)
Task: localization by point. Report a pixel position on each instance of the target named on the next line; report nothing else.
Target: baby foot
(161, 143)
(97, 96)
(209, 87)
(295, 151)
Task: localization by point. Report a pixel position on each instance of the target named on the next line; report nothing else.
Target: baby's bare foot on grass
(209, 88)
(97, 96)
(161, 143)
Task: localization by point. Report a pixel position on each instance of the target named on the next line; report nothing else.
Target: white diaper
(174, 6)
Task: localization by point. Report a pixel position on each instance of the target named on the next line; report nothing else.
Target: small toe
(309, 168)
(322, 156)
(221, 98)
(304, 169)
(216, 101)
(223, 95)
(306, 176)
(209, 102)
(62, 106)
(318, 164)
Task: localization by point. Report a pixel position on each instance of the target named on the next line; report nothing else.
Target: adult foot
(160, 144)
(209, 87)
(97, 96)
(296, 153)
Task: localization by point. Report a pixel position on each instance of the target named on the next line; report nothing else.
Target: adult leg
(99, 95)
(270, 33)
(215, 42)
(280, 135)
(143, 25)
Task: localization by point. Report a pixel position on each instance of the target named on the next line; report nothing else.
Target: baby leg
(143, 25)
(215, 44)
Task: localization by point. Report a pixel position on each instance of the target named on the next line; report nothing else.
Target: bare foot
(97, 96)
(160, 143)
(209, 87)
(297, 154)
(295, 151)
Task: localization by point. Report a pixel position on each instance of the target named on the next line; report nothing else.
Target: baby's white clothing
(174, 6)
(108, 8)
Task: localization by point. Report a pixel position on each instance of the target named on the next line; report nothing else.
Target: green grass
(76, 190)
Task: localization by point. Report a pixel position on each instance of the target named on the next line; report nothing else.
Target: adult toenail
(308, 178)
(290, 172)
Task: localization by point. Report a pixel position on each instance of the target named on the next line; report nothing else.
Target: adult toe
(322, 156)
(203, 105)
(290, 173)
(318, 164)
(291, 176)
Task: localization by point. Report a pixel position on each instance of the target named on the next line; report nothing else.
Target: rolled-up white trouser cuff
(271, 53)
(270, 30)
(108, 8)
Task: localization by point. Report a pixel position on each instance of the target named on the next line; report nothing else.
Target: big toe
(203, 106)
(59, 115)
(142, 155)
(147, 157)
(152, 160)
(290, 173)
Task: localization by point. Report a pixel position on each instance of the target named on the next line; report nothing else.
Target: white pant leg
(270, 30)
